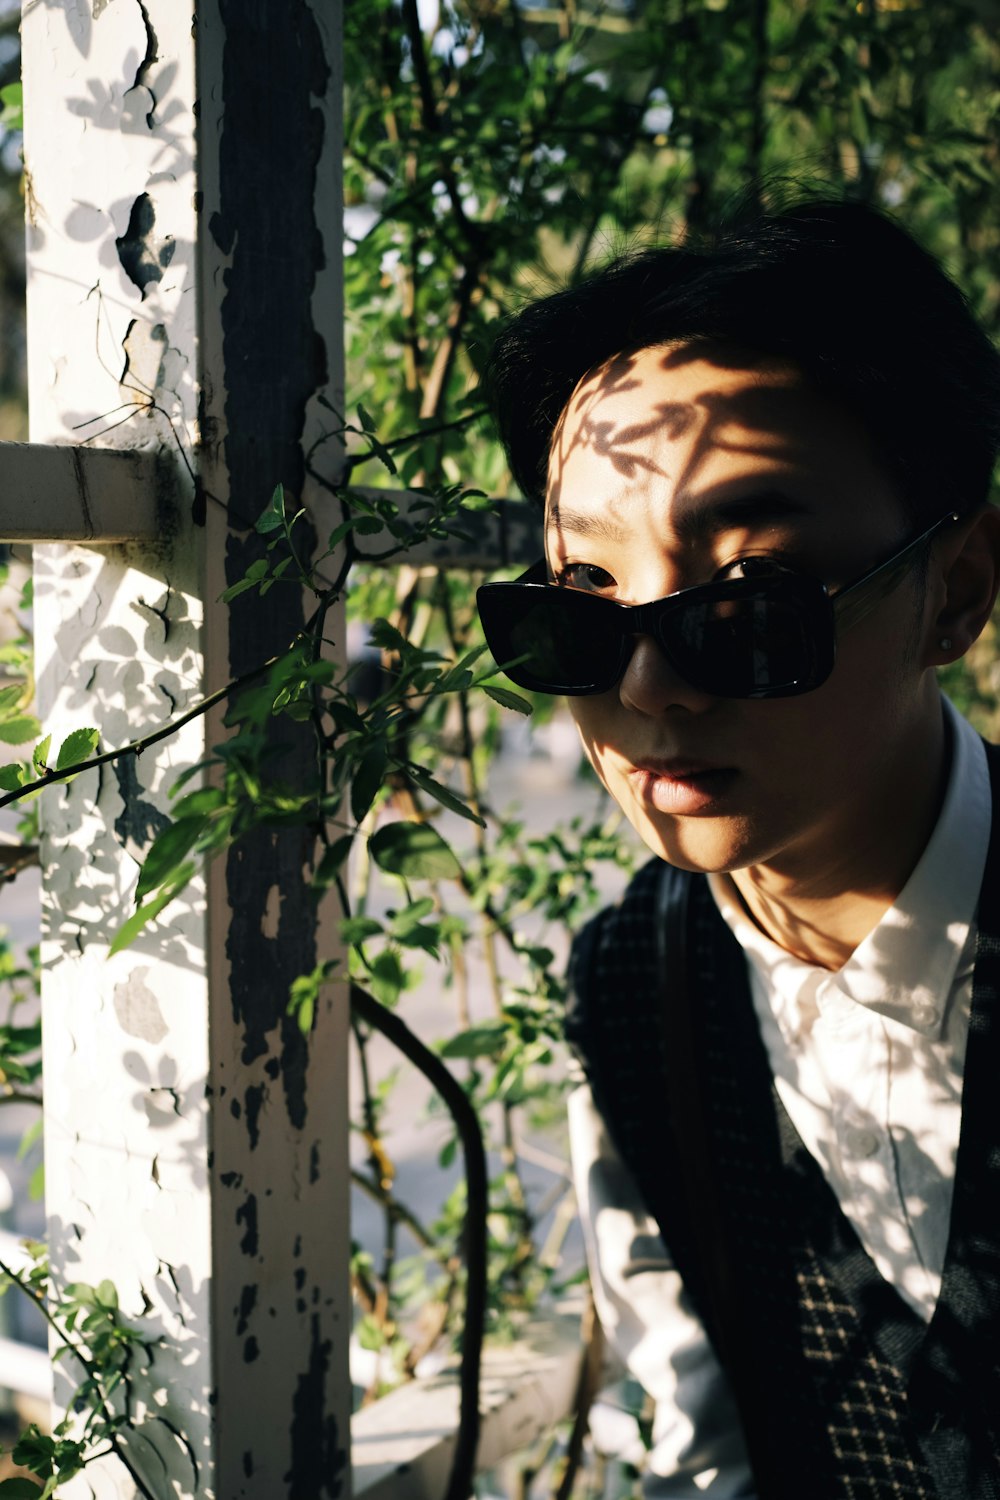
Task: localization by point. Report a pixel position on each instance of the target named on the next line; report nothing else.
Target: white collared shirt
(868, 1062)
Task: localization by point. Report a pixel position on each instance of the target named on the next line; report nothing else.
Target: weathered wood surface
(182, 172)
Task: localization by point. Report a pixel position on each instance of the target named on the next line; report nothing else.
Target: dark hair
(839, 289)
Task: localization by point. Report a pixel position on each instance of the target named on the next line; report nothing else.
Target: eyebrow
(587, 523)
(704, 519)
(764, 507)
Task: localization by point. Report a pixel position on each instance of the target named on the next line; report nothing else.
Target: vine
(378, 789)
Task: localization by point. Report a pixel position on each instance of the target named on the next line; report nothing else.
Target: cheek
(824, 745)
(590, 722)
(595, 720)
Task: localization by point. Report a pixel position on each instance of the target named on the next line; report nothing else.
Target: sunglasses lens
(762, 644)
(770, 639)
(555, 640)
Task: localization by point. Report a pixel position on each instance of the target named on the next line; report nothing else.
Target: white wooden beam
(183, 298)
(84, 494)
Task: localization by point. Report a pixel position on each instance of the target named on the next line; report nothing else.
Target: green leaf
(425, 935)
(507, 699)
(382, 453)
(166, 852)
(12, 776)
(412, 850)
(370, 1335)
(443, 795)
(19, 1489)
(448, 1152)
(150, 909)
(254, 574)
(11, 696)
(36, 1183)
(31, 1137)
(332, 859)
(478, 1041)
(347, 719)
(82, 1292)
(200, 803)
(80, 745)
(40, 755)
(366, 419)
(236, 589)
(455, 676)
(387, 977)
(19, 730)
(12, 98)
(338, 533)
(368, 779)
(357, 929)
(107, 1295)
(304, 993)
(273, 514)
(387, 637)
(412, 914)
(187, 776)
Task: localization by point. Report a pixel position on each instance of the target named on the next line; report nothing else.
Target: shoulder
(614, 973)
(619, 933)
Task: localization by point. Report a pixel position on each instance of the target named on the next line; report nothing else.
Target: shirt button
(862, 1142)
(925, 1015)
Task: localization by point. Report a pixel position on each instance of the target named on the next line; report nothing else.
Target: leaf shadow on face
(758, 419)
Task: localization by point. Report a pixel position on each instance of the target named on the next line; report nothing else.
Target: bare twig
(16, 857)
(587, 1386)
(430, 118)
(474, 1234)
(437, 379)
(138, 747)
(90, 1370)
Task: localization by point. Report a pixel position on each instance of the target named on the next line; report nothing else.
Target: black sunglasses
(768, 637)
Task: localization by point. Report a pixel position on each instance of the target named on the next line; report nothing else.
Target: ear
(963, 580)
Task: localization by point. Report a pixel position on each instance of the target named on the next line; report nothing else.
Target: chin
(706, 846)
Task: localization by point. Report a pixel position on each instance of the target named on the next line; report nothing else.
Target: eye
(760, 565)
(585, 576)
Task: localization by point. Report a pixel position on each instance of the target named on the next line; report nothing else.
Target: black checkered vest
(844, 1392)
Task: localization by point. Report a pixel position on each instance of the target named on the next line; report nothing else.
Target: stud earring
(945, 643)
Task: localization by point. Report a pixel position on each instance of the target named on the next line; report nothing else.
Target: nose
(651, 686)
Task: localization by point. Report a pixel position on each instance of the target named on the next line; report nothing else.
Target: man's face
(670, 468)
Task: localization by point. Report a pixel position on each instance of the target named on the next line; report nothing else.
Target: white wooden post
(183, 201)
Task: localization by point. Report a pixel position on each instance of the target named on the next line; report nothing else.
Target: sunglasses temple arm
(856, 602)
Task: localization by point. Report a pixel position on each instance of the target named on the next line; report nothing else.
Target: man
(781, 447)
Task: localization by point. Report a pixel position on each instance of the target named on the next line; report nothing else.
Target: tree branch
(137, 747)
(474, 1235)
(587, 1386)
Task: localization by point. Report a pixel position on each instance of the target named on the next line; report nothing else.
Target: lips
(681, 786)
(677, 768)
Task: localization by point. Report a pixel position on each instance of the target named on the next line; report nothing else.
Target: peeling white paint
(269, 926)
(139, 1048)
(124, 1038)
(138, 1009)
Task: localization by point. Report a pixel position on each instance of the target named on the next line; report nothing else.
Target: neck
(820, 907)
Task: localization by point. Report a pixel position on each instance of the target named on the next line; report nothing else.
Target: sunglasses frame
(826, 616)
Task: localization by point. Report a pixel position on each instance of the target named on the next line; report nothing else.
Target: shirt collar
(906, 967)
